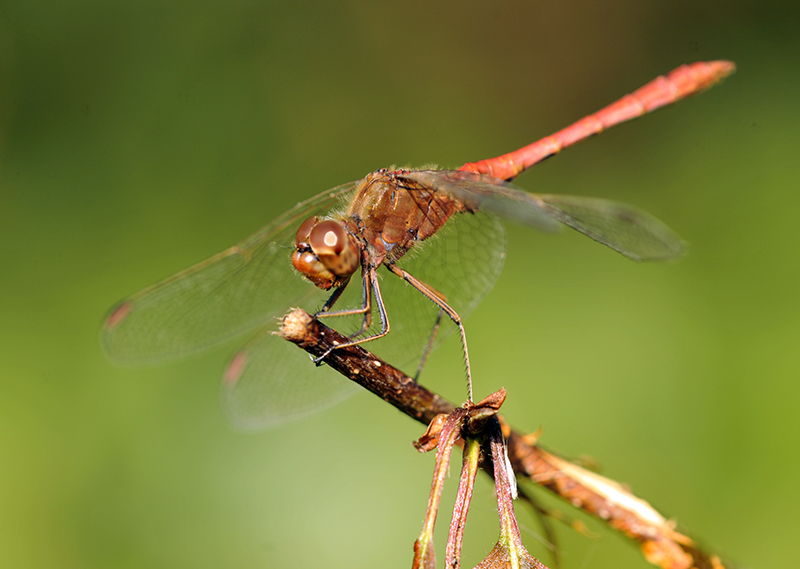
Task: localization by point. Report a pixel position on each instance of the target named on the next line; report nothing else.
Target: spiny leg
(437, 299)
(366, 301)
(366, 306)
(375, 289)
(366, 298)
(429, 345)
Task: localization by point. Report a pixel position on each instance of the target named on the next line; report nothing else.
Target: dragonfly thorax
(326, 254)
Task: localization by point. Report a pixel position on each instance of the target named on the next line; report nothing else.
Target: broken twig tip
(296, 326)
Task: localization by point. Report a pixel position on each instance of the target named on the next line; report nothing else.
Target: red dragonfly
(439, 224)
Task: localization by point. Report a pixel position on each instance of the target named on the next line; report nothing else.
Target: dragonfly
(437, 231)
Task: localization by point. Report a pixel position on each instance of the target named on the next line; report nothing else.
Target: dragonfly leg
(366, 298)
(429, 345)
(437, 298)
(366, 307)
(372, 287)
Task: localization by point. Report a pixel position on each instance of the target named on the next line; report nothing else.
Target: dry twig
(595, 494)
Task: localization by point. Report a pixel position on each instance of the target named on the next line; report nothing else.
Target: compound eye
(335, 247)
(327, 238)
(303, 232)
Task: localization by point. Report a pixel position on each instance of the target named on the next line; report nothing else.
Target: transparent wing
(624, 228)
(235, 291)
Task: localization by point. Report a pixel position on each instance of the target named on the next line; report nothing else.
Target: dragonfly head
(325, 253)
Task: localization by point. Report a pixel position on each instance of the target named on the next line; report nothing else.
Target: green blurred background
(137, 138)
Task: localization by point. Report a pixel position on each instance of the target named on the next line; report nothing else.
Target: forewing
(487, 194)
(222, 297)
(624, 228)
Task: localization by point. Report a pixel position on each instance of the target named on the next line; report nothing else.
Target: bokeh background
(138, 138)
